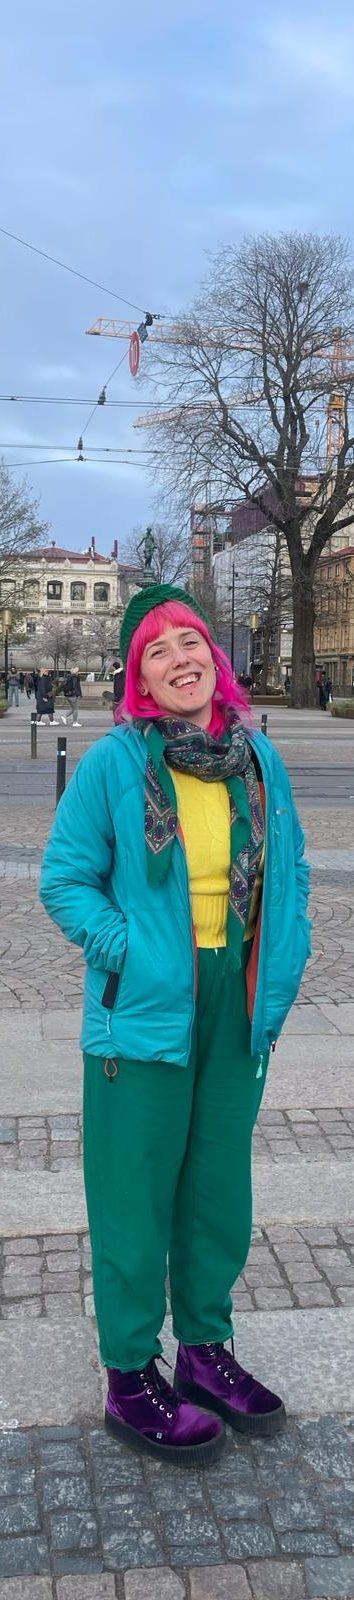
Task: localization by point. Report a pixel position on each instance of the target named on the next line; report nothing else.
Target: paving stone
(314, 1294)
(60, 1457)
(217, 1583)
(48, 1378)
(136, 1545)
(20, 1286)
(63, 1262)
(59, 1241)
(101, 1587)
(115, 1512)
(22, 1517)
(173, 1491)
(248, 1539)
(329, 1578)
(23, 1555)
(61, 1490)
(62, 1307)
(71, 1531)
(344, 1532)
(300, 1510)
(26, 1589)
(16, 1480)
(273, 1299)
(230, 1500)
(276, 1580)
(192, 1539)
(308, 1543)
(336, 1265)
(154, 1585)
(14, 1446)
(17, 1310)
(15, 1265)
(327, 1447)
(87, 1562)
(57, 1282)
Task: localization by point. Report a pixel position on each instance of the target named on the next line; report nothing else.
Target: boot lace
(225, 1361)
(158, 1391)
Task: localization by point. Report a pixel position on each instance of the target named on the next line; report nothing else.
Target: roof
(56, 552)
(335, 555)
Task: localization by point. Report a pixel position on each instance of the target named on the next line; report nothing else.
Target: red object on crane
(134, 354)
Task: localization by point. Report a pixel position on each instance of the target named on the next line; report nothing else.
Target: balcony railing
(102, 605)
(54, 605)
(78, 605)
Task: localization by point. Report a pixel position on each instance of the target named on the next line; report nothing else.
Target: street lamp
(254, 621)
(231, 589)
(6, 624)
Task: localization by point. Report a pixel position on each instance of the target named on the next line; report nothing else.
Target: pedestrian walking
(45, 699)
(156, 867)
(13, 698)
(28, 684)
(72, 694)
(322, 692)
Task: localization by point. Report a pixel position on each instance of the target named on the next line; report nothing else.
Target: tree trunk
(266, 651)
(303, 679)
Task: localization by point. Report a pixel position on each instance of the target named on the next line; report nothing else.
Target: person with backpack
(176, 862)
(72, 692)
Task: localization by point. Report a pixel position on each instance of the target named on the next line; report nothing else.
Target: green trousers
(167, 1164)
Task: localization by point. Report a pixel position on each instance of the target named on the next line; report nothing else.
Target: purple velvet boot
(207, 1374)
(147, 1414)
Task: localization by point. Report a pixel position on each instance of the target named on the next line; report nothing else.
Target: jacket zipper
(264, 890)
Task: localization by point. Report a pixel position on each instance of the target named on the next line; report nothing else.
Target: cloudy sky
(130, 147)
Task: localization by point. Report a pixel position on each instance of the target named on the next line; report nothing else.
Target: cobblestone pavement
(50, 1275)
(50, 1143)
(73, 1501)
(39, 970)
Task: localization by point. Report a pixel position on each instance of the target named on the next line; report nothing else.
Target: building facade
(76, 587)
(334, 627)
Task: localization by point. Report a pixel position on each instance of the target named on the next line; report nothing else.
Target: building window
(30, 627)
(345, 598)
(101, 593)
(77, 621)
(8, 591)
(54, 590)
(337, 569)
(31, 592)
(78, 592)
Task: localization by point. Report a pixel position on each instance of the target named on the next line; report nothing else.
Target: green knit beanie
(146, 599)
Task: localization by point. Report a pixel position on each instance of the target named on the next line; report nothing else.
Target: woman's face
(177, 669)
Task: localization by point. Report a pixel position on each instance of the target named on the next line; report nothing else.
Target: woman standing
(176, 861)
(45, 697)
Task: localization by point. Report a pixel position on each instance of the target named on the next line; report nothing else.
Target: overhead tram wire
(104, 449)
(76, 274)
(59, 461)
(69, 400)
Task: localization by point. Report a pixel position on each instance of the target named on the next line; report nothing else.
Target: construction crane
(338, 349)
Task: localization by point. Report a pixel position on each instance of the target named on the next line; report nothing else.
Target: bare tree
(21, 530)
(101, 638)
(264, 351)
(60, 641)
(171, 555)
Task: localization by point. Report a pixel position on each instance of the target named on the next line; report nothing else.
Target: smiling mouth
(189, 678)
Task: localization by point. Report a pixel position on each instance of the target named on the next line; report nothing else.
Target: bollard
(61, 767)
(264, 722)
(33, 735)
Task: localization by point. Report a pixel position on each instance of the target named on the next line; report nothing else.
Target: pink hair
(227, 692)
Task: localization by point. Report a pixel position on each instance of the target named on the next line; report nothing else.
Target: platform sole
(194, 1455)
(265, 1425)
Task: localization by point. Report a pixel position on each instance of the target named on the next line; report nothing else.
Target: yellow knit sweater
(204, 815)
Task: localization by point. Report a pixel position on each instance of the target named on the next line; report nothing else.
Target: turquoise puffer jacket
(94, 885)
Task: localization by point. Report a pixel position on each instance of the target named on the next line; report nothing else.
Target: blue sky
(130, 148)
